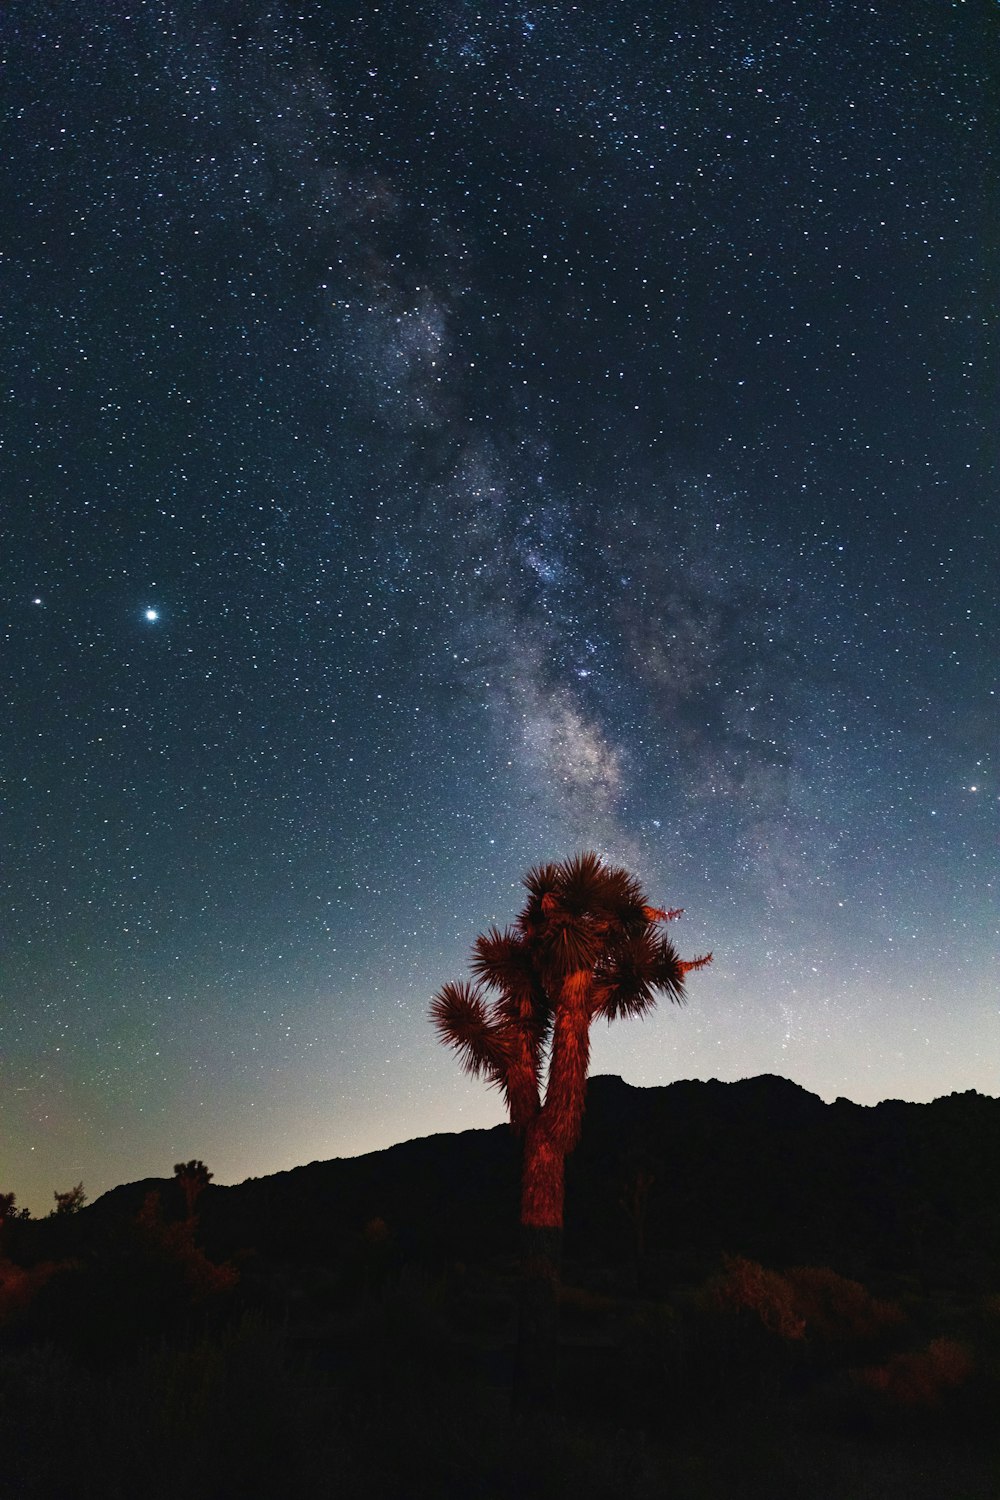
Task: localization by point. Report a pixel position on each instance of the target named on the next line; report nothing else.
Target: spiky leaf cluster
(586, 929)
(499, 1024)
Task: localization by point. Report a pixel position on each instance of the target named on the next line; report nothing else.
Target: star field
(442, 438)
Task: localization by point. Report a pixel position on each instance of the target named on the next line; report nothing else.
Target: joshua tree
(586, 944)
(69, 1202)
(193, 1177)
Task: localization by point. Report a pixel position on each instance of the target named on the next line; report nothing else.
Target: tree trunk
(570, 1061)
(542, 1185)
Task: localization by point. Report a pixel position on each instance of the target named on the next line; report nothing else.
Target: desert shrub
(835, 1308)
(373, 1260)
(810, 1303)
(920, 1378)
(744, 1284)
(147, 1280)
(170, 1248)
(19, 1286)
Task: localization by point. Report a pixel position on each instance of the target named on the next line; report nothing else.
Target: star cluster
(440, 438)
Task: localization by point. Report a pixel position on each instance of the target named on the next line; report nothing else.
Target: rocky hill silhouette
(674, 1175)
(762, 1294)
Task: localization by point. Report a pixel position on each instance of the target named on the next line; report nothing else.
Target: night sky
(440, 438)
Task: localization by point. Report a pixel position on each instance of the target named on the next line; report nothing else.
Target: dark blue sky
(531, 428)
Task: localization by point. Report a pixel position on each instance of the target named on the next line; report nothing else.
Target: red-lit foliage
(172, 1246)
(746, 1285)
(920, 1378)
(811, 1302)
(586, 943)
(838, 1309)
(376, 1233)
(19, 1286)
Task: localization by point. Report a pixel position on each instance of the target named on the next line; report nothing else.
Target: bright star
(151, 615)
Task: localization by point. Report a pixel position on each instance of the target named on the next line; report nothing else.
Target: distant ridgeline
(674, 1176)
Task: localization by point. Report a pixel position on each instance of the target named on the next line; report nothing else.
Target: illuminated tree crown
(586, 943)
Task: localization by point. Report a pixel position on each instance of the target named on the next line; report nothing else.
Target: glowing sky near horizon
(440, 438)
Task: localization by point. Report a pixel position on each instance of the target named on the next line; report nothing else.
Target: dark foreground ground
(384, 1379)
(763, 1295)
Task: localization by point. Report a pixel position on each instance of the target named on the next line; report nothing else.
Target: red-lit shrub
(836, 1308)
(19, 1285)
(806, 1302)
(919, 1379)
(747, 1285)
(172, 1247)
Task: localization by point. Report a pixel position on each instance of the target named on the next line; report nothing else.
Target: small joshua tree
(586, 944)
(69, 1202)
(193, 1177)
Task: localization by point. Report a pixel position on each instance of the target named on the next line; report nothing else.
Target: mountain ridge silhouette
(759, 1167)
